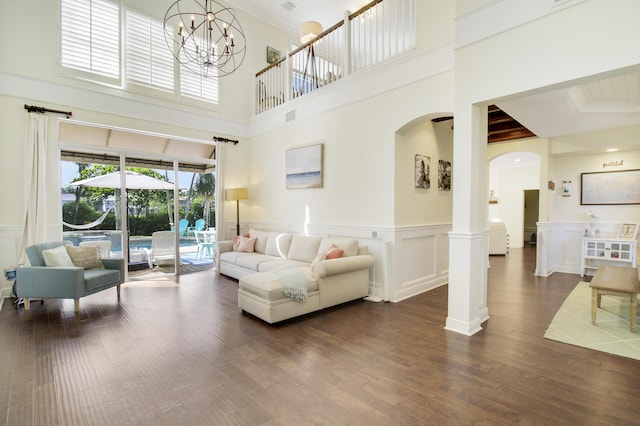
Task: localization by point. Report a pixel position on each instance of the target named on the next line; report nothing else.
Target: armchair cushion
(57, 256)
(97, 278)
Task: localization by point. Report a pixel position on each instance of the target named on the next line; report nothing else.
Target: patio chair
(163, 248)
(183, 225)
(200, 224)
(206, 242)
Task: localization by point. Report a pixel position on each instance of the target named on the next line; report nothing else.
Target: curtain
(34, 229)
(221, 149)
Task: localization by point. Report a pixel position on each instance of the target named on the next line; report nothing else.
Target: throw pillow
(236, 241)
(247, 244)
(334, 252)
(57, 257)
(87, 257)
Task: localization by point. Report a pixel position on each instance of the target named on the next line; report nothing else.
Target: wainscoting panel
(421, 259)
(559, 246)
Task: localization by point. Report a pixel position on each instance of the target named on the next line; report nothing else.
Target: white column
(468, 239)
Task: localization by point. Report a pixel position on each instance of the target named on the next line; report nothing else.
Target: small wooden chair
(615, 281)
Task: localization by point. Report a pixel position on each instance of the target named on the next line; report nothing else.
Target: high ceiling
(596, 105)
(290, 14)
(609, 102)
(600, 104)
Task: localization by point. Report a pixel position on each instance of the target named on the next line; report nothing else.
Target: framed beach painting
(304, 167)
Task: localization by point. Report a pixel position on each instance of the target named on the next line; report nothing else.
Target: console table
(599, 251)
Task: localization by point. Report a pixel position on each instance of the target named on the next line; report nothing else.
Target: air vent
(288, 5)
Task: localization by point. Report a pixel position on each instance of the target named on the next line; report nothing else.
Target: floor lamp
(236, 194)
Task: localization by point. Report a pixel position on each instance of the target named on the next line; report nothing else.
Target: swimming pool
(135, 243)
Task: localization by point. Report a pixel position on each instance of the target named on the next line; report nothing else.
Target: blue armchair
(64, 282)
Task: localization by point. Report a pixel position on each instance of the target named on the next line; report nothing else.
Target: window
(90, 49)
(148, 59)
(90, 38)
(194, 85)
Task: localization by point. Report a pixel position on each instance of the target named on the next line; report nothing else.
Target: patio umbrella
(134, 181)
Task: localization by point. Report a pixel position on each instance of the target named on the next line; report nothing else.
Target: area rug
(611, 334)
(192, 259)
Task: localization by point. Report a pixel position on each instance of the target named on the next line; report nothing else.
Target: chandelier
(205, 36)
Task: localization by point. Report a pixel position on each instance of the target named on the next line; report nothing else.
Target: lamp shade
(309, 30)
(235, 194)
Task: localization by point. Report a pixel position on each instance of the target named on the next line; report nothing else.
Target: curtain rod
(219, 139)
(33, 108)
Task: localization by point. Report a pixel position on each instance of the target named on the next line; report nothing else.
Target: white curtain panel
(221, 149)
(34, 224)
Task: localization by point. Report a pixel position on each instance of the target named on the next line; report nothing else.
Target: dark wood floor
(185, 355)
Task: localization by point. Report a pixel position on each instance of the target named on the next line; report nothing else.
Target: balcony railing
(377, 32)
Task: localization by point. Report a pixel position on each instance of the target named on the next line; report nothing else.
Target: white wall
(568, 209)
(417, 206)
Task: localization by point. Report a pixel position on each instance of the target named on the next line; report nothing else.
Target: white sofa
(329, 283)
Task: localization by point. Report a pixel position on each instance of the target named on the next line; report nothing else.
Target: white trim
(119, 103)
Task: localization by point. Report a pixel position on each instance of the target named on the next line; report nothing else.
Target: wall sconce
(236, 194)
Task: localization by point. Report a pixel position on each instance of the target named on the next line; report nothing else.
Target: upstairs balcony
(379, 31)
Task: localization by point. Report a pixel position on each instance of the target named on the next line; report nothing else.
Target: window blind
(148, 58)
(90, 36)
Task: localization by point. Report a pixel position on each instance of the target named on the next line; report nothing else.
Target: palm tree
(206, 187)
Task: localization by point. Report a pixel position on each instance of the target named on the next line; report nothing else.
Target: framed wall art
(273, 55)
(304, 167)
(444, 175)
(628, 230)
(423, 171)
(616, 187)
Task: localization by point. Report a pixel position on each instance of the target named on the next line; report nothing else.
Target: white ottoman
(261, 295)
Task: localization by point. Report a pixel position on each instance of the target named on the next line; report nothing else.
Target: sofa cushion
(303, 248)
(253, 262)
(57, 256)
(96, 278)
(261, 240)
(281, 264)
(348, 245)
(233, 256)
(87, 257)
(267, 285)
(278, 244)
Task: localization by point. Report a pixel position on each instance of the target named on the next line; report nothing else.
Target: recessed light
(612, 149)
(516, 160)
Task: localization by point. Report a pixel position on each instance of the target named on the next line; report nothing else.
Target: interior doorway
(531, 214)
